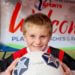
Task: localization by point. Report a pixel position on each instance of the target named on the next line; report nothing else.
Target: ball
(38, 63)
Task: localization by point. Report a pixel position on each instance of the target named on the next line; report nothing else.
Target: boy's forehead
(27, 25)
(37, 29)
(34, 26)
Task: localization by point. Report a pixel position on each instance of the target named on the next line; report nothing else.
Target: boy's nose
(37, 41)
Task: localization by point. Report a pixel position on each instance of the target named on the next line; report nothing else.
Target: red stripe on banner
(12, 27)
(50, 13)
(33, 11)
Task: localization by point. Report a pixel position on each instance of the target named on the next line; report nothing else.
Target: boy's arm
(9, 70)
(6, 62)
(69, 61)
(64, 57)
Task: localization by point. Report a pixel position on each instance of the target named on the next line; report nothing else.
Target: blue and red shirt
(57, 53)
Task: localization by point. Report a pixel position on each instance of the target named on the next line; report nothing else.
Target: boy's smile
(37, 37)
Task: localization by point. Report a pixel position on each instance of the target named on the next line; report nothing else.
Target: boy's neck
(46, 49)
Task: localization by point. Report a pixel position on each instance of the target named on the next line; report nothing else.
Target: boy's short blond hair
(38, 19)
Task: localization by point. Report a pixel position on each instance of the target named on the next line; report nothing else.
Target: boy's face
(37, 37)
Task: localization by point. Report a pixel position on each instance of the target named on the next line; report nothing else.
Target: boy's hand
(66, 69)
(10, 68)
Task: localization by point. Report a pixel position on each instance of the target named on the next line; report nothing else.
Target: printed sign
(13, 14)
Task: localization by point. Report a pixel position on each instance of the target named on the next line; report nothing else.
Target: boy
(37, 31)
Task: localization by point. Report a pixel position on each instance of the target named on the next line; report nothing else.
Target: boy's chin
(38, 50)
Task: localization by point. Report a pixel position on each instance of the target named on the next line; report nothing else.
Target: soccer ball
(38, 63)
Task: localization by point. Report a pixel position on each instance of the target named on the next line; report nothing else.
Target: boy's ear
(24, 33)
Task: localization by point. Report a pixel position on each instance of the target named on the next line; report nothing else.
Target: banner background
(13, 13)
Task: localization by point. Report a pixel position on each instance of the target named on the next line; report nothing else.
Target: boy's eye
(32, 36)
(43, 36)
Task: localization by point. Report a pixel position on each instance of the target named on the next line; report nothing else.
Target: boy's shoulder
(56, 52)
(52, 49)
(19, 53)
(55, 49)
